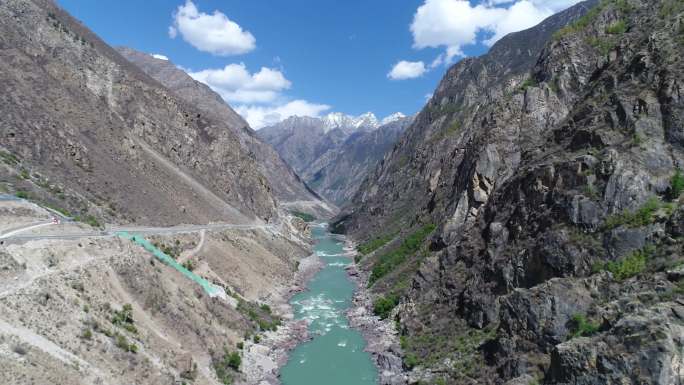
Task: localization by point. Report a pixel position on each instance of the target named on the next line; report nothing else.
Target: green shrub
(124, 318)
(383, 306)
(268, 325)
(590, 192)
(226, 366)
(604, 46)
(410, 361)
(304, 216)
(453, 128)
(256, 338)
(22, 194)
(389, 261)
(581, 327)
(676, 185)
(643, 216)
(617, 28)
(90, 220)
(581, 23)
(261, 315)
(455, 341)
(234, 361)
(374, 244)
(189, 264)
(403, 342)
(631, 265)
(529, 82)
(240, 345)
(122, 343)
(637, 139)
(87, 334)
(60, 210)
(586, 20)
(670, 8)
(24, 174)
(8, 158)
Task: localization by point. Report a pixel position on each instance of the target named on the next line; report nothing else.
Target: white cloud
(521, 15)
(454, 24)
(214, 33)
(236, 85)
(257, 96)
(407, 70)
(160, 57)
(262, 116)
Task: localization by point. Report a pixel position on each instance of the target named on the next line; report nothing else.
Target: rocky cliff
(85, 133)
(335, 153)
(527, 227)
(103, 138)
(286, 184)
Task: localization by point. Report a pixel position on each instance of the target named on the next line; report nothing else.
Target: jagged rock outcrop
(549, 166)
(334, 154)
(286, 184)
(73, 110)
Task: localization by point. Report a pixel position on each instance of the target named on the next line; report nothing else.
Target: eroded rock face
(642, 347)
(72, 109)
(526, 158)
(286, 184)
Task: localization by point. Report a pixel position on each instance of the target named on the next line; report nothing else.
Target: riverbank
(381, 336)
(261, 362)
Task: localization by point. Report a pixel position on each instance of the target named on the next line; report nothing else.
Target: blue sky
(271, 59)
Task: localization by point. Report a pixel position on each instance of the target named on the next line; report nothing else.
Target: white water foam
(338, 264)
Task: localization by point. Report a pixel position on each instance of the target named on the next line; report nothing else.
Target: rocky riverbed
(381, 335)
(262, 361)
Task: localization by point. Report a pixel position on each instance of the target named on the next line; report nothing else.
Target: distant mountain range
(348, 123)
(333, 154)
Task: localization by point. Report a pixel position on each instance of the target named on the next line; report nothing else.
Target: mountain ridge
(91, 147)
(499, 230)
(286, 184)
(322, 152)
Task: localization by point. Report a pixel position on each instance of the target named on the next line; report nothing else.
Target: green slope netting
(211, 289)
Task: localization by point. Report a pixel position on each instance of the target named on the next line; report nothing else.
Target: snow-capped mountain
(349, 123)
(392, 118)
(326, 151)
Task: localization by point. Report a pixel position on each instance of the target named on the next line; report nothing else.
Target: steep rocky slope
(91, 127)
(86, 133)
(286, 184)
(103, 310)
(527, 228)
(333, 154)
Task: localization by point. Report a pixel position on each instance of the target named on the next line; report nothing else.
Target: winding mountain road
(15, 234)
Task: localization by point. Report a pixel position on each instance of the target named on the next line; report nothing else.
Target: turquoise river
(335, 356)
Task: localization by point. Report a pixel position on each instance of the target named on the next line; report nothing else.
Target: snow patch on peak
(366, 120)
(392, 118)
(345, 122)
